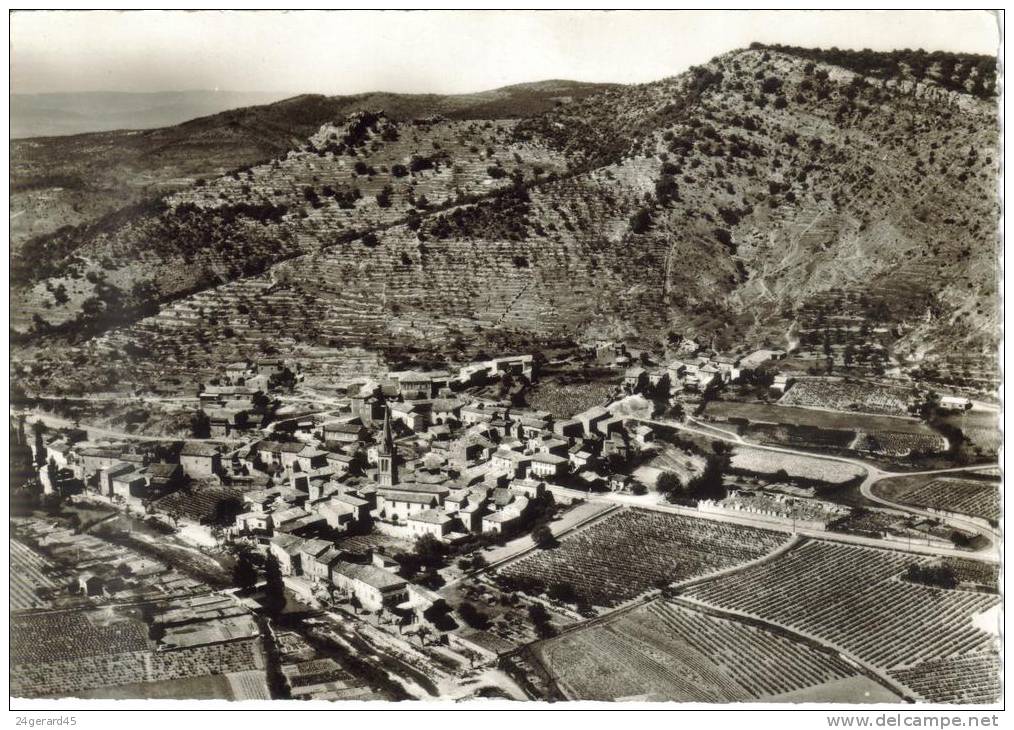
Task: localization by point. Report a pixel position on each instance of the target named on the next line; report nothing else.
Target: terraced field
(668, 651)
(634, 550)
(853, 598)
(841, 395)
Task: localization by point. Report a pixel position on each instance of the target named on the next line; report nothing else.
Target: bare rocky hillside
(730, 203)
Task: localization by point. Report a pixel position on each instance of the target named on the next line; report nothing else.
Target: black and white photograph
(500, 358)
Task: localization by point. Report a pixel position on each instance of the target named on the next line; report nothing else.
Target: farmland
(634, 550)
(68, 653)
(27, 575)
(974, 497)
(668, 651)
(843, 395)
(769, 463)
(565, 393)
(820, 429)
(839, 594)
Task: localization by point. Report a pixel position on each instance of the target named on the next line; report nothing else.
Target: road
(111, 433)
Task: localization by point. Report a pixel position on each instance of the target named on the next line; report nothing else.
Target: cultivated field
(854, 599)
(26, 576)
(634, 550)
(768, 463)
(975, 497)
(668, 651)
(840, 395)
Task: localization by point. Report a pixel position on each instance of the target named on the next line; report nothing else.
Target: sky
(443, 52)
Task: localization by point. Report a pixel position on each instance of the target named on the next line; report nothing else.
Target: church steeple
(387, 468)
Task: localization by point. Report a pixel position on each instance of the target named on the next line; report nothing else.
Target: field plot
(668, 651)
(215, 687)
(969, 679)
(634, 550)
(27, 576)
(975, 497)
(202, 505)
(841, 395)
(564, 395)
(981, 428)
(46, 637)
(769, 463)
(683, 464)
(779, 413)
(853, 599)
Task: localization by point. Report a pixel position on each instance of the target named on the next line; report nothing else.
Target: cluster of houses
(691, 370)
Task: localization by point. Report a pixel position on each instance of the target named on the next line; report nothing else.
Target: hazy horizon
(421, 52)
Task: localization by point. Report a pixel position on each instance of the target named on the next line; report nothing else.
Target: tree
(274, 589)
(543, 537)
(244, 574)
(430, 551)
(473, 616)
(668, 482)
(200, 425)
(40, 447)
(640, 221)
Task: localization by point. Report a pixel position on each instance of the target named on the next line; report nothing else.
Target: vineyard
(841, 395)
(676, 653)
(853, 599)
(965, 496)
(634, 550)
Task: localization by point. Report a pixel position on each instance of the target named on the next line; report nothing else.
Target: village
(433, 504)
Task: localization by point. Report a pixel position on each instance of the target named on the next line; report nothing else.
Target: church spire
(387, 441)
(387, 468)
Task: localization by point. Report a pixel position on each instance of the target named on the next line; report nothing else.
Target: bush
(640, 221)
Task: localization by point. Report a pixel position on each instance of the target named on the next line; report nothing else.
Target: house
(308, 554)
(758, 357)
(403, 501)
(644, 435)
(591, 418)
(93, 460)
(129, 486)
(283, 454)
(200, 460)
(374, 588)
(433, 522)
(509, 512)
(411, 414)
(548, 465)
(955, 403)
(782, 382)
(581, 457)
(473, 446)
(286, 549)
(413, 385)
(443, 410)
(340, 463)
(511, 463)
(163, 478)
(344, 433)
(635, 379)
(254, 522)
(568, 428)
(107, 475)
(476, 413)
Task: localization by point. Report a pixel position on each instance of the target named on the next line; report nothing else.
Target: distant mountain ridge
(62, 114)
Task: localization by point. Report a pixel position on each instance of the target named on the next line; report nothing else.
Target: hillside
(768, 196)
(73, 180)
